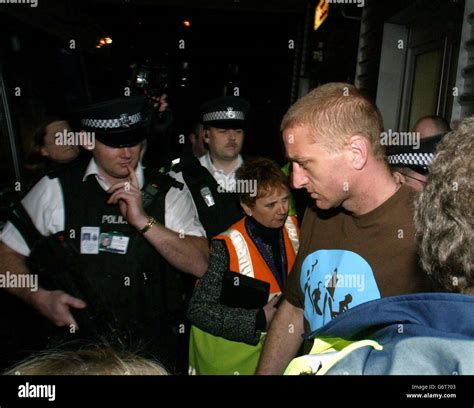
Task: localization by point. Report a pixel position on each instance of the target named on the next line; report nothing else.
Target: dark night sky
(249, 48)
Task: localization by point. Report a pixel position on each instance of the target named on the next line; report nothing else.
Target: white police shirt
(44, 204)
(227, 181)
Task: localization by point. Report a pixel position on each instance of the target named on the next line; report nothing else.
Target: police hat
(416, 159)
(227, 112)
(116, 123)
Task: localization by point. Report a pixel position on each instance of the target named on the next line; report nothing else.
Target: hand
(270, 309)
(128, 196)
(55, 306)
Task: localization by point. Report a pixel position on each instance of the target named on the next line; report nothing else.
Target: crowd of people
(199, 266)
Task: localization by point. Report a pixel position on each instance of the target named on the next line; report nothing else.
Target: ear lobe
(246, 209)
(399, 177)
(360, 150)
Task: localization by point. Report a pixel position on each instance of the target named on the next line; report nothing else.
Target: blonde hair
(335, 111)
(90, 360)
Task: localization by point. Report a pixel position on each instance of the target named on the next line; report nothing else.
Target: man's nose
(298, 177)
(126, 152)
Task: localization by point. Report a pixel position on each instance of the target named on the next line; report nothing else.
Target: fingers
(123, 185)
(275, 300)
(133, 177)
(120, 195)
(123, 190)
(62, 314)
(73, 322)
(74, 302)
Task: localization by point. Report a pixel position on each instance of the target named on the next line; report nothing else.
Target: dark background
(231, 43)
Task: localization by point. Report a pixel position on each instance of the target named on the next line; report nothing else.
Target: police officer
(410, 163)
(110, 232)
(211, 178)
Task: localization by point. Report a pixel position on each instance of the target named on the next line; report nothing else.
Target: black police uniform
(217, 210)
(135, 300)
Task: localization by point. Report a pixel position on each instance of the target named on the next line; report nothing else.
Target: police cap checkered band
(411, 159)
(124, 121)
(228, 114)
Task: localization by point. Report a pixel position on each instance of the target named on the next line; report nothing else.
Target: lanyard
(280, 275)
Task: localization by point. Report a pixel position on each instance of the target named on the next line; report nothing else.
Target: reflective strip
(223, 115)
(124, 121)
(293, 234)
(243, 253)
(325, 353)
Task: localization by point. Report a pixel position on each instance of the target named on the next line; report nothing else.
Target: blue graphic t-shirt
(345, 260)
(332, 282)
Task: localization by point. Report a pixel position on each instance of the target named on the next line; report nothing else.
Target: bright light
(187, 23)
(103, 42)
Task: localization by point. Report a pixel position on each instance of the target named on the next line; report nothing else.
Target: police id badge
(90, 240)
(113, 242)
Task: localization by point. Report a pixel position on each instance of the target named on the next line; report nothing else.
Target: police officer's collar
(93, 169)
(206, 161)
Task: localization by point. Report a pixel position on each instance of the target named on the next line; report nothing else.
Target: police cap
(418, 158)
(116, 123)
(227, 112)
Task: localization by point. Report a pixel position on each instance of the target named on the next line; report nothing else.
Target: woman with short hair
(229, 327)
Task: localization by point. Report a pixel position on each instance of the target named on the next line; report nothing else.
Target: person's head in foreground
(444, 216)
(89, 360)
(265, 195)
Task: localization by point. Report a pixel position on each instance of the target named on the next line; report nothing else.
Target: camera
(151, 78)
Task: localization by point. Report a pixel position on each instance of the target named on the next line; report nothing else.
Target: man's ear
(359, 146)
(399, 177)
(206, 135)
(246, 209)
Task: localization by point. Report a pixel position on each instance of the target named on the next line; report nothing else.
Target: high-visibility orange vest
(246, 259)
(213, 355)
